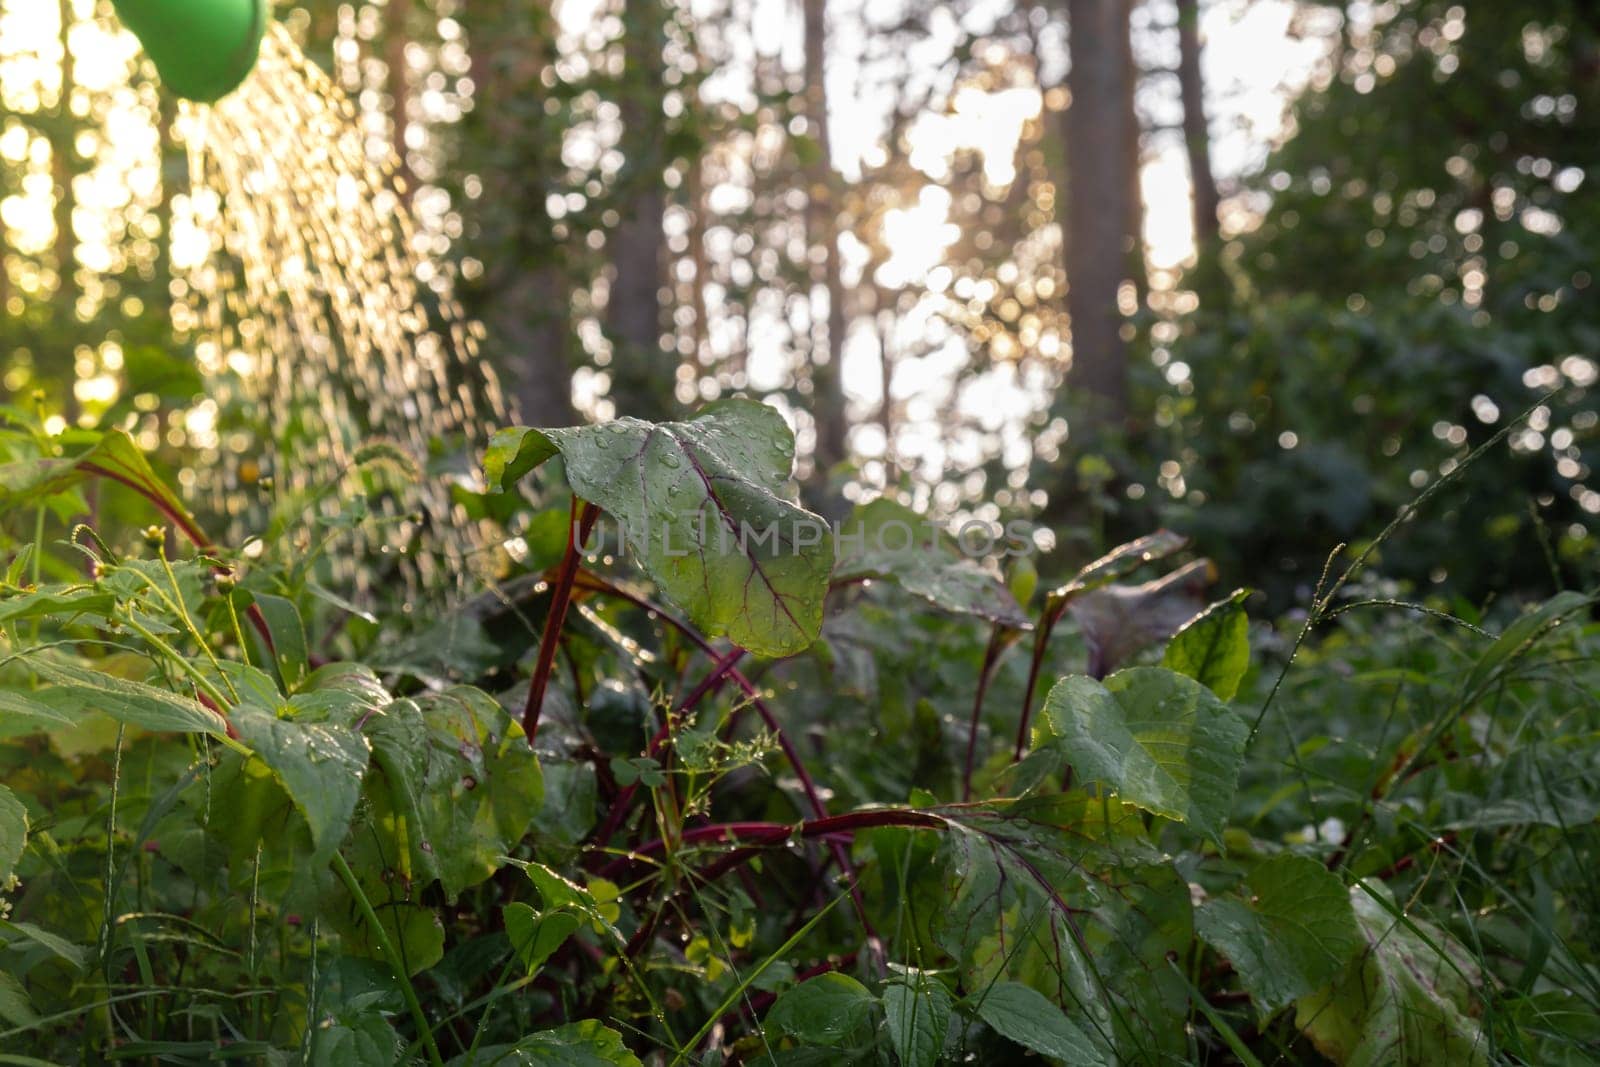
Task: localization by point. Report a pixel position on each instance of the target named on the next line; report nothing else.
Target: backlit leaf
(320, 764)
(1213, 648)
(1407, 1000)
(699, 504)
(1161, 741)
(1289, 932)
(890, 542)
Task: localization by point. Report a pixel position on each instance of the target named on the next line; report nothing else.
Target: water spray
(202, 49)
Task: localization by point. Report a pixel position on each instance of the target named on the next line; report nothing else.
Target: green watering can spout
(201, 48)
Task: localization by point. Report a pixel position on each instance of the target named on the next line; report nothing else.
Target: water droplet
(671, 459)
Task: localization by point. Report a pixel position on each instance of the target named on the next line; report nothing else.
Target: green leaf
(77, 956)
(1291, 934)
(1161, 741)
(81, 689)
(558, 893)
(1213, 648)
(535, 935)
(586, 1044)
(699, 505)
(320, 764)
(1122, 560)
(1024, 1015)
(20, 713)
(463, 784)
(892, 543)
(362, 1041)
(288, 637)
(1517, 638)
(64, 600)
(918, 1010)
(823, 1010)
(414, 930)
(13, 833)
(111, 454)
(1117, 621)
(1406, 1001)
(15, 1006)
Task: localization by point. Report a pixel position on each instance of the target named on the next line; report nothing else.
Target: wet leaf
(1118, 621)
(700, 506)
(890, 542)
(1161, 741)
(461, 782)
(1213, 648)
(1024, 1015)
(79, 690)
(1287, 934)
(822, 1010)
(535, 935)
(918, 1010)
(321, 765)
(1408, 999)
(584, 1044)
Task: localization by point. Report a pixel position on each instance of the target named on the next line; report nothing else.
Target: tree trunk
(1133, 139)
(827, 381)
(64, 168)
(1196, 132)
(1097, 205)
(643, 377)
(525, 298)
(696, 195)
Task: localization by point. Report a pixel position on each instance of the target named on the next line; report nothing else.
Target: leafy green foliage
(1158, 739)
(90, 454)
(1150, 883)
(535, 935)
(1213, 648)
(1024, 1015)
(584, 1044)
(13, 832)
(699, 504)
(893, 543)
(1409, 999)
(823, 1010)
(1288, 933)
(918, 1011)
(321, 765)
(79, 688)
(461, 783)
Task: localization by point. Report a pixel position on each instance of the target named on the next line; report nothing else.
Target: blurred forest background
(1261, 271)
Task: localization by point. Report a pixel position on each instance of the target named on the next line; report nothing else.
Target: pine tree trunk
(1098, 188)
(827, 398)
(1196, 132)
(1133, 139)
(525, 299)
(643, 377)
(64, 168)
